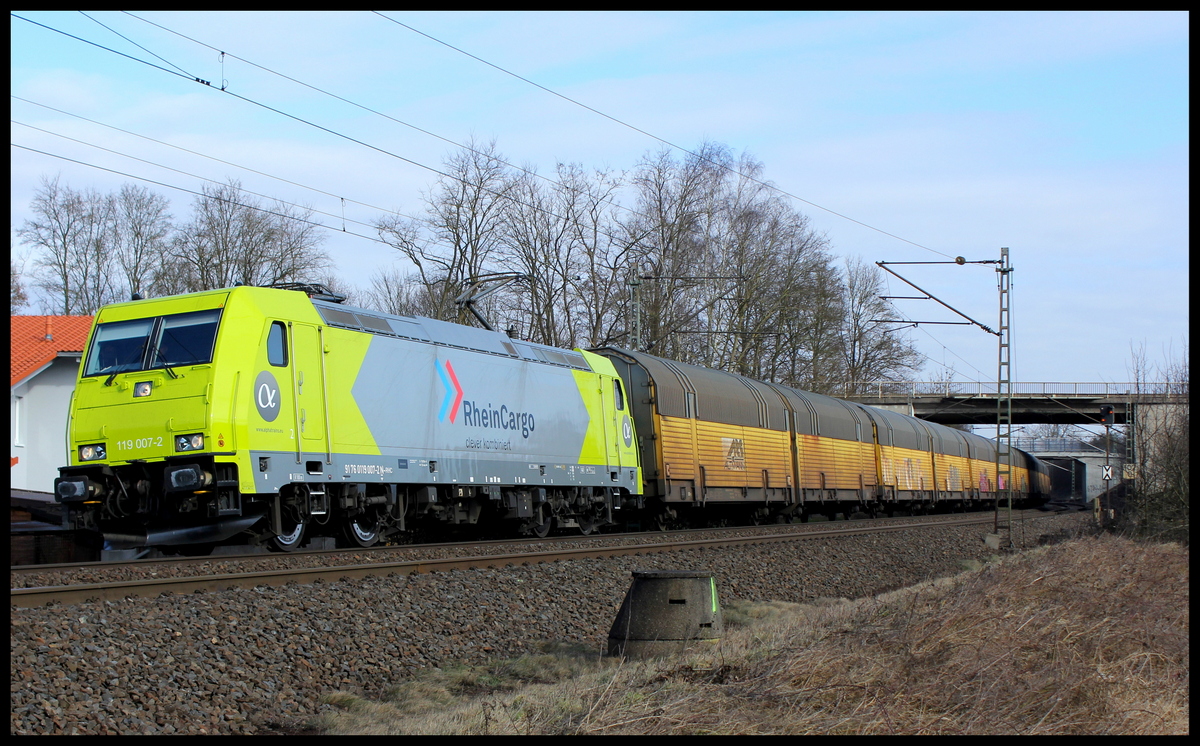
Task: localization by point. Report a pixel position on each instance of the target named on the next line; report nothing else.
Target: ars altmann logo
(454, 393)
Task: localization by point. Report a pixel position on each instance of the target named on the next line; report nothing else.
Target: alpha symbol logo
(266, 396)
(454, 393)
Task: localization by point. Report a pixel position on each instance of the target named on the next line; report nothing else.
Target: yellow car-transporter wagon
(716, 444)
(265, 415)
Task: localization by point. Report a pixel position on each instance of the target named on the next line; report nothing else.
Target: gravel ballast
(257, 660)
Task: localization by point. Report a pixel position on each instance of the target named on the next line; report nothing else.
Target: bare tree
(17, 297)
(460, 234)
(870, 350)
(70, 230)
(564, 240)
(233, 239)
(605, 246)
(1050, 430)
(394, 292)
(139, 230)
(766, 262)
(1159, 504)
(730, 274)
(672, 213)
(539, 244)
(740, 279)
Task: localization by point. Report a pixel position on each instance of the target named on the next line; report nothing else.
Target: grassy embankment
(1088, 636)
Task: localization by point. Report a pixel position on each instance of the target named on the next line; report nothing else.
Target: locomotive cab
(142, 438)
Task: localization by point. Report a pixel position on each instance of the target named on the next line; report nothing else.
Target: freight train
(269, 415)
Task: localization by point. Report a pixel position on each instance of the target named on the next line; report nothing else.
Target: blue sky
(1063, 136)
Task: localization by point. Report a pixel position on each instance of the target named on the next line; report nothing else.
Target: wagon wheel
(662, 521)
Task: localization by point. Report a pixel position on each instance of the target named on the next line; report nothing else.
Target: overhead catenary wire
(670, 144)
(198, 194)
(659, 139)
(418, 164)
(376, 112)
(185, 173)
(343, 200)
(134, 43)
(680, 148)
(211, 181)
(616, 239)
(210, 157)
(204, 178)
(555, 93)
(434, 170)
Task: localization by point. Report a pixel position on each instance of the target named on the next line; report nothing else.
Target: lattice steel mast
(1004, 452)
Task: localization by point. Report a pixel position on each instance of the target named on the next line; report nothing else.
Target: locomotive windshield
(160, 342)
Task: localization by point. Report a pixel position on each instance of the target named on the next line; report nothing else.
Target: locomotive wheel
(587, 524)
(361, 531)
(289, 542)
(545, 520)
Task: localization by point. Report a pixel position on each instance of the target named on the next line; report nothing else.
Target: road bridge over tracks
(974, 403)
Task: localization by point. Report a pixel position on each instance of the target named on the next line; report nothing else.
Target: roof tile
(36, 340)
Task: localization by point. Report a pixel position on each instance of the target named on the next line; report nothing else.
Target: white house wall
(38, 424)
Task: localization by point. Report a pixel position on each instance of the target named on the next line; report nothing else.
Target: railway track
(196, 575)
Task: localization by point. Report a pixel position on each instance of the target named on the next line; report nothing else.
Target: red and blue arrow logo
(454, 393)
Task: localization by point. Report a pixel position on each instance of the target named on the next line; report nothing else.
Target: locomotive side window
(617, 396)
(277, 344)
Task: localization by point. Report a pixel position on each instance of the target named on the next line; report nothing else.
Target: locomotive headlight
(93, 452)
(185, 478)
(193, 442)
(76, 489)
(142, 388)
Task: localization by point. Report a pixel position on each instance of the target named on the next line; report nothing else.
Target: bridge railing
(1054, 445)
(882, 389)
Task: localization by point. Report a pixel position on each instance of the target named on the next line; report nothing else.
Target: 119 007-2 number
(139, 443)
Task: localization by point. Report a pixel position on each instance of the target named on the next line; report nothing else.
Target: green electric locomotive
(265, 415)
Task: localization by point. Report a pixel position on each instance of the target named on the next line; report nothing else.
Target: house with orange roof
(46, 351)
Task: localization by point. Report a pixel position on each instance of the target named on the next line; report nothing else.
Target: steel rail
(29, 597)
(18, 570)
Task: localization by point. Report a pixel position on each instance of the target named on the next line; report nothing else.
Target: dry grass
(1089, 636)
